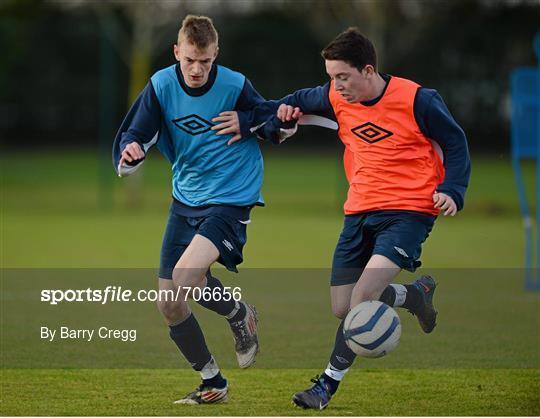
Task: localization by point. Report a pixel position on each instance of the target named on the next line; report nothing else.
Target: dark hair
(199, 30)
(353, 48)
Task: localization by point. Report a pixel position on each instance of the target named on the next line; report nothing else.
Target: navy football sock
(216, 382)
(239, 314)
(333, 384)
(410, 296)
(413, 299)
(342, 356)
(217, 302)
(189, 339)
(388, 296)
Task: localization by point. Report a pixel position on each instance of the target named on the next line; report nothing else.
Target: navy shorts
(397, 235)
(226, 233)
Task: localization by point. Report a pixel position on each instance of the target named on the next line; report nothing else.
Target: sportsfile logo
(193, 124)
(119, 294)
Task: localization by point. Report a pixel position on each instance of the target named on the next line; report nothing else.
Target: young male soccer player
(393, 131)
(214, 188)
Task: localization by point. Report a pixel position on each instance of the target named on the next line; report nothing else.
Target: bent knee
(340, 311)
(189, 277)
(173, 311)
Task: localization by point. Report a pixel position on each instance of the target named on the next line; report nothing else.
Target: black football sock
(216, 382)
(341, 359)
(342, 356)
(413, 299)
(189, 339)
(333, 384)
(238, 314)
(407, 296)
(220, 301)
(388, 295)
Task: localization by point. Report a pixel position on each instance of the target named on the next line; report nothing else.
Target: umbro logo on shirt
(371, 133)
(193, 124)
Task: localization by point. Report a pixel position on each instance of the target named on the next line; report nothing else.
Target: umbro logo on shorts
(227, 244)
(401, 251)
(371, 133)
(193, 124)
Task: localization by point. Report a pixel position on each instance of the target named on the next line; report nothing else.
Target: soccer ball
(372, 329)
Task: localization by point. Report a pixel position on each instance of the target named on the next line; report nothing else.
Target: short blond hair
(198, 30)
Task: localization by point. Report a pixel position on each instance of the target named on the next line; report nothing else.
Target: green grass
(55, 214)
(268, 392)
(482, 359)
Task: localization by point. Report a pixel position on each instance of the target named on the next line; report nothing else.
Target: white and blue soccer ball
(372, 329)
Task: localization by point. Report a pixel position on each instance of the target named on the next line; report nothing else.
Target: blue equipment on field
(525, 131)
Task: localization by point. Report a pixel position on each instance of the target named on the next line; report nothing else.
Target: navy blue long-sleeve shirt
(431, 114)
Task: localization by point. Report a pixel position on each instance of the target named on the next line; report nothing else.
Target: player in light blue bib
(214, 187)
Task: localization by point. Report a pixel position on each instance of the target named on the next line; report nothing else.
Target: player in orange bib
(406, 160)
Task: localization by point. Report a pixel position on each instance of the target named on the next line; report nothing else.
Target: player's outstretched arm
(313, 101)
(138, 132)
(288, 113)
(281, 126)
(277, 129)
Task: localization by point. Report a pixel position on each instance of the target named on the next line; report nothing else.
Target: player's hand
(132, 152)
(445, 203)
(287, 113)
(229, 125)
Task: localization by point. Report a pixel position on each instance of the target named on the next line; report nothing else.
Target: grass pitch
(483, 359)
(268, 392)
